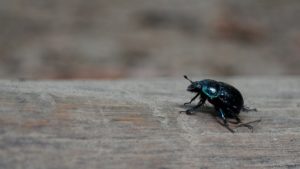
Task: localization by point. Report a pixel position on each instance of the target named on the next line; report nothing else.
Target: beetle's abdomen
(229, 99)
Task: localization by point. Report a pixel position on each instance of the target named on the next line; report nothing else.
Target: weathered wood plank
(136, 124)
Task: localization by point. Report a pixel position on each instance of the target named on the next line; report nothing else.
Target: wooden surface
(136, 124)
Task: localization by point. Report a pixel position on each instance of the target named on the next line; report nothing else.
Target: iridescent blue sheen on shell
(227, 100)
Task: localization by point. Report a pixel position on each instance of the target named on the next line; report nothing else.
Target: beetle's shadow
(205, 109)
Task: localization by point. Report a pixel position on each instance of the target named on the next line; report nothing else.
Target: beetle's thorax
(210, 88)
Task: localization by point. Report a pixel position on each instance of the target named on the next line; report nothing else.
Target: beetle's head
(194, 86)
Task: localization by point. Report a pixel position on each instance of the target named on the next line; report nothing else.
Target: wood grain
(136, 124)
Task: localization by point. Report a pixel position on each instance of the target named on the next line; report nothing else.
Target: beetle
(226, 99)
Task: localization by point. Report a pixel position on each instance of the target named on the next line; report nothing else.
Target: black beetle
(226, 99)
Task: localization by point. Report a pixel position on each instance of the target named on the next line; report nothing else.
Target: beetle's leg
(200, 103)
(189, 111)
(225, 124)
(247, 109)
(237, 119)
(192, 99)
(248, 124)
(240, 124)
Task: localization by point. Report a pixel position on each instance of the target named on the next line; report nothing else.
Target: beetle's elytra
(227, 100)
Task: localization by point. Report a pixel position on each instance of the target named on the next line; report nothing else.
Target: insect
(226, 99)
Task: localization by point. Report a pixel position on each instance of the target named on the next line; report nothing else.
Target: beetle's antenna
(185, 76)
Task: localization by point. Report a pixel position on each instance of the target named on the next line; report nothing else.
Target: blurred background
(111, 39)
